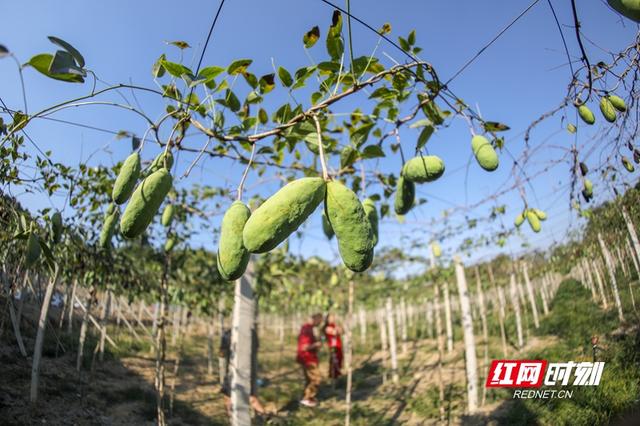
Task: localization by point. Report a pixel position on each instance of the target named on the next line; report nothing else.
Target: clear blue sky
(519, 77)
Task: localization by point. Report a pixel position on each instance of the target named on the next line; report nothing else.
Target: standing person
(332, 333)
(308, 346)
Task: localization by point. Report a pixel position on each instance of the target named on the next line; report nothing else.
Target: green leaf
(251, 79)
(176, 70)
(267, 82)
(335, 44)
(179, 44)
(262, 116)
(19, 121)
(285, 77)
(404, 44)
(494, 126)
(360, 134)
(412, 38)
(69, 48)
(158, 70)
(63, 63)
(230, 101)
(42, 62)
(209, 73)
(420, 123)
(348, 156)
(311, 37)
(372, 151)
(425, 134)
(239, 67)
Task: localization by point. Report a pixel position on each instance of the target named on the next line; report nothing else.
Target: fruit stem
(246, 172)
(325, 173)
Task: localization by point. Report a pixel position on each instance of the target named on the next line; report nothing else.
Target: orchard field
(195, 199)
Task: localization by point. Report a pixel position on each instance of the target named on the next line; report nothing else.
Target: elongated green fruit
(159, 162)
(326, 226)
(628, 165)
(372, 214)
(282, 214)
(587, 191)
(405, 196)
(145, 202)
(56, 226)
(628, 8)
(435, 249)
(108, 229)
(586, 114)
(618, 103)
(607, 109)
(167, 215)
(232, 256)
(33, 249)
(127, 178)
(424, 168)
(351, 226)
(169, 244)
(534, 221)
(484, 153)
(540, 213)
(519, 220)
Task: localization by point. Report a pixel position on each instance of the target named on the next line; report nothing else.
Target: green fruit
(541, 214)
(484, 153)
(127, 179)
(433, 112)
(534, 221)
(405, 196)
(585, 113)
(351, 226)
(587, 191)
(232, 256)
(167, 215)
(169, 244)
(618, 103)
(145, 202)
(424, 168)
(607, 110)
(159, 162)
(435, 249)
(33, 249)
(628, 165)
(627, 8)
(326, 227)
(519, 220)
(584, 169)
(372, 214)
(282, 214)
(571, 128)
(56, 226)
(108, 229)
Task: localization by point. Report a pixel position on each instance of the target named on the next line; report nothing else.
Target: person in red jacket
(332, 334)
(308, 346)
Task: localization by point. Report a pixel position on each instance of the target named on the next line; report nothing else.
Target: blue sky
(518, 78)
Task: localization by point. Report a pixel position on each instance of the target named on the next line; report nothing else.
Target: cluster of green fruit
(610, 105)
(533, 216)
(354, 224)
(144, 199)
(421, 169)
(587, 185)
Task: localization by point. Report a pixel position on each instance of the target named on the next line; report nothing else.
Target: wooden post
(42, 324)
(71, 307)
(83, 328)
(612, 277)
(471, 366)
(103, 323)
(384, 344)
(603, 295)
(222, 362)
(210, 346)
(633, 257)
(447, 316)
(516, 308)
(348, 357)
(531, 295)
(241, 348)
(440, 344)
(403, 325)
(485, 333)
(392, 341)
(362, 317)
